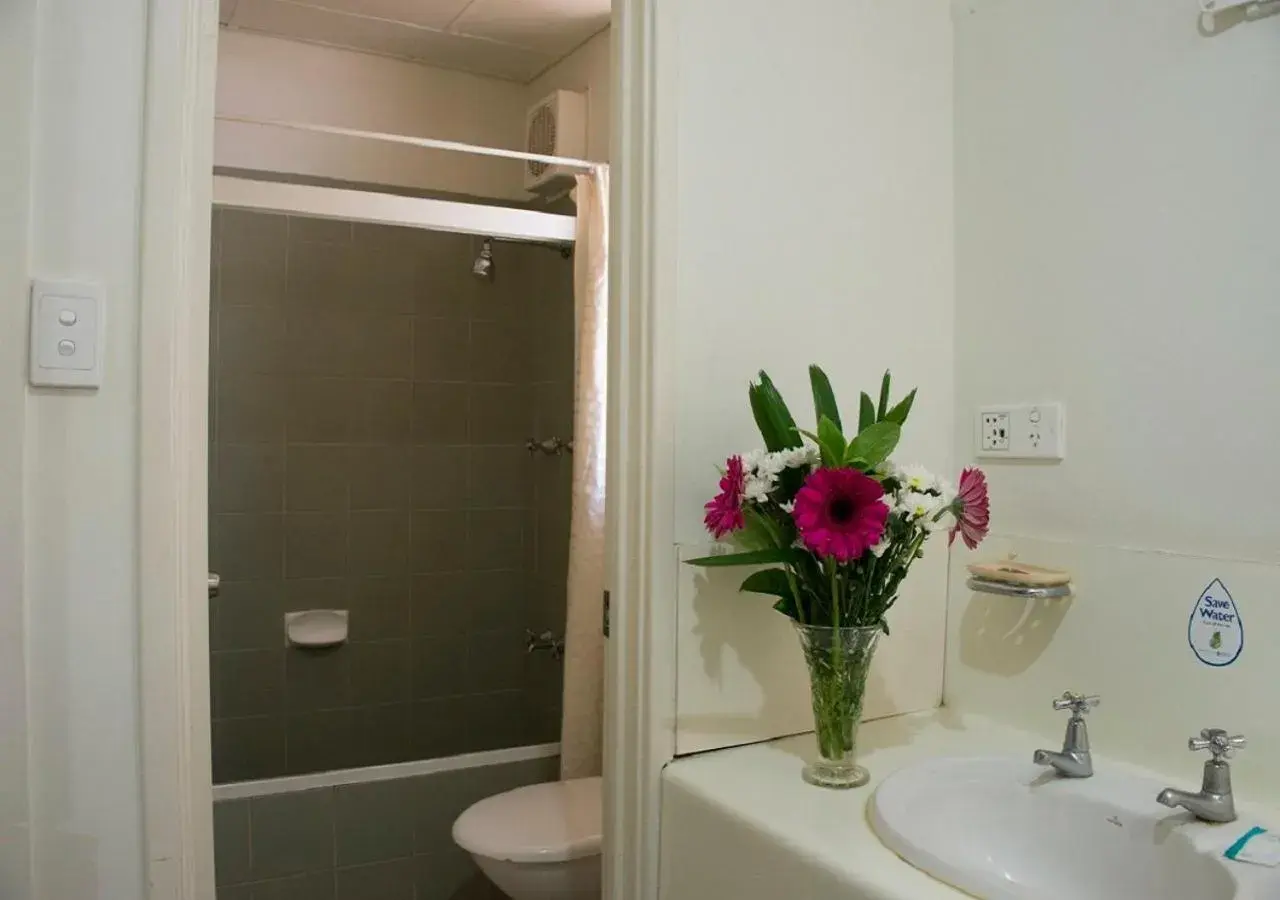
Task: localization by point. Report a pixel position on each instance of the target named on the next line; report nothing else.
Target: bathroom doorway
(306, 421)
(397, 352)
(391, 417)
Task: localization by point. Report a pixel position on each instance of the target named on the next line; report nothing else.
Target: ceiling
(513, 39)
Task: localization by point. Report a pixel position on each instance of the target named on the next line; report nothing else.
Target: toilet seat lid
(544, 823)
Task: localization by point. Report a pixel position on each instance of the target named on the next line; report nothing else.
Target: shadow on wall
(1005, 635)
(760, 641)
(753, 637)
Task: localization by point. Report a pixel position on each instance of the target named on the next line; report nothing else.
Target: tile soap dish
(1015, 579)
(315, 628)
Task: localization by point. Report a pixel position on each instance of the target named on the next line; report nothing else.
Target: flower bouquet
(838, 526)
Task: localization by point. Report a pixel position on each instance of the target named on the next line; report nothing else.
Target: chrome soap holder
(1014, 579)
(1029, 592)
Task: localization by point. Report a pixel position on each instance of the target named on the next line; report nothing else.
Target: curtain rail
(426, 143)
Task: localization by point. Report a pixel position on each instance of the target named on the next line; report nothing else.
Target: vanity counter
(742, 824)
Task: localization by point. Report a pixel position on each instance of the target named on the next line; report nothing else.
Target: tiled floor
(387, 840)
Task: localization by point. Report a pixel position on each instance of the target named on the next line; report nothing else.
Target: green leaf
(866, 413)
(787, 606)
(874, 445)
(774, 420)
(747, 558)
(754, 534)
(768, 581)
(831, 442)
(786, 422)
(898, 415)
(824, 399)
(884, 397)
(764, 418)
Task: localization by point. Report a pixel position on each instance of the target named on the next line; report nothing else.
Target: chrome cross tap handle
(1218, 742)
(1075, 760)
(1215, 802)
(1079, 704)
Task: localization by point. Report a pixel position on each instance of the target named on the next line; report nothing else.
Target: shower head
(483, 266)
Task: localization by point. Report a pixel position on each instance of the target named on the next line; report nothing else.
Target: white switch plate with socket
(66, 333)
(1028, 431)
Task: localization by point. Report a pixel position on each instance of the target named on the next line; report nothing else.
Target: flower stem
(795, 592)
(833, 574)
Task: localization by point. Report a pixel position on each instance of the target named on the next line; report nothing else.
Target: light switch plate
(67, 319)
(1030, 431)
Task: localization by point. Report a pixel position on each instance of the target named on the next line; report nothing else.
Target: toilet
(540, 842)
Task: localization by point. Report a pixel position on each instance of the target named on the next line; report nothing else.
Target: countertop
(827, 831)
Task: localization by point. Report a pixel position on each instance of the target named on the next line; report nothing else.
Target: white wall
(812, 220)
(17, 69)
(1118, 206)
(81, 461)
(67, 488)
(588, 69)
(269, 78)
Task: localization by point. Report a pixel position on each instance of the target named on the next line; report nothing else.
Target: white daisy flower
(756, 489)
(918, 506)
(799, 457)
(752, 458)
(918, 479)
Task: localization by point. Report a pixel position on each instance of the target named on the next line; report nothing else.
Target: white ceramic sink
(1004, 829)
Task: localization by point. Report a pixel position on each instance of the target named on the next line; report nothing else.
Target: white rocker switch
(66, 334)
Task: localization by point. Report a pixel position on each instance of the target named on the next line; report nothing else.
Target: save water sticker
(1215, 631)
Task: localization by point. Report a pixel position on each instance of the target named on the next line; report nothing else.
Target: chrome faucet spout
(1071, 764)
(1075, 760)
(1215, 802)
(1206, 807)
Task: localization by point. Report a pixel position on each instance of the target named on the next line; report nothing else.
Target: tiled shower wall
(369, 403)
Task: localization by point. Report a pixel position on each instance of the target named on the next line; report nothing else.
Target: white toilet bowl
(540, 842)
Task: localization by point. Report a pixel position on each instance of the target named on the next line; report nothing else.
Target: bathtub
(387, 827)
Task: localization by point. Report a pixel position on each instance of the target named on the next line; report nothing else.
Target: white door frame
(640, 700)
(173, 470)
(173, 357)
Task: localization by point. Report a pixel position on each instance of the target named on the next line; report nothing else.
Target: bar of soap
(1019, 573)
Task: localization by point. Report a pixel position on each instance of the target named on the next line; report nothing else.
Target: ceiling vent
(556, 126)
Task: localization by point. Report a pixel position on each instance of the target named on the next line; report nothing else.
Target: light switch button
(66, 334)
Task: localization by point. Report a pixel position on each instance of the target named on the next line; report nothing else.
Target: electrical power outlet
(994, 429)
(1031, 431)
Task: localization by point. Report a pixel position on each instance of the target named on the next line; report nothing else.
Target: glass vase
(839, 660)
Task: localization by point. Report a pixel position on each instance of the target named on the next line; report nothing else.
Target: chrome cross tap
(1074, 761)
(1214, 803)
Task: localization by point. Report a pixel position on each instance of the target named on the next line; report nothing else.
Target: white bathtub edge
(239, 790)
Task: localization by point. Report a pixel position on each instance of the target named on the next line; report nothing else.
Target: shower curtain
(582, 726)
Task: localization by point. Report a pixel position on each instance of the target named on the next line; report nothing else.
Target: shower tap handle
(551, 446)
(544, 641)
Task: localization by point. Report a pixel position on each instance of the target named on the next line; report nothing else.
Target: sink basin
(1004, 829)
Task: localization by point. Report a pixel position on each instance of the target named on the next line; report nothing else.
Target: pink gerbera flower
(840, 513)
(972, 509)
(724, 513)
